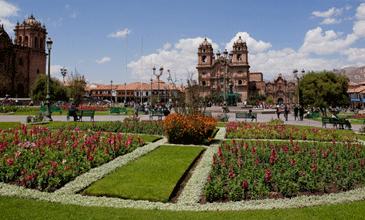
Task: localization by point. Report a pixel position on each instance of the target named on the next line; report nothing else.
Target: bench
(54, 108)
(118, 110)
(83, 113)
(340, 122)
(157, 114)
(246, 115)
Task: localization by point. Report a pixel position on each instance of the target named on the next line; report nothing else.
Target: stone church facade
(218, 73)
(282, 91)
(222, 72)
(23, 59)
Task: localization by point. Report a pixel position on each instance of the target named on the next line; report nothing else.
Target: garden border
(189, 196)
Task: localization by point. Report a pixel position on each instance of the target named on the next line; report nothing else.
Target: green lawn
(151, 177)
(149, 138)
(4, 125)
(16, 208)
(352, 120)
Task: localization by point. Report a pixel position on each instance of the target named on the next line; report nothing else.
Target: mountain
(355, 74)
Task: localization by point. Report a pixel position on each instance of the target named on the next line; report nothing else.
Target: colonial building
(282, 91)
(222, 73)
(135, 91)
(22, 60)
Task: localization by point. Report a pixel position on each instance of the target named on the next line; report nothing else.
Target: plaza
(204, 111)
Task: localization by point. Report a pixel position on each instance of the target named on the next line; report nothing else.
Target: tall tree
(58, 91)
(323, 90)
(77, 86)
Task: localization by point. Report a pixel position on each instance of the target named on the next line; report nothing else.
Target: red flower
(231, 173)
(10, 161)
(219, 152)
(253, 150)
(267, 176)
(90, 158)
(54, 164)
(314, 167)
(273, 156)
(245, 185)
(293, 162)
(362, 163)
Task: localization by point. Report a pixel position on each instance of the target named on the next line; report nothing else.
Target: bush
(188, 129)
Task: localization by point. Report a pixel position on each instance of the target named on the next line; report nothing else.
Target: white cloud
(359, 25)
(120, 34)
(329, 13)
(331, 21)
(312, 54)
(7, 10)
(181, 59)
(103, 60)
(356, 55)
(322, 42)
(56, 71)
(253, 45)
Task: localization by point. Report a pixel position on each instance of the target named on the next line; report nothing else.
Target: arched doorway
(280, 101)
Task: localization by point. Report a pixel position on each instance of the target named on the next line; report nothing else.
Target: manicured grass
(151, 177)
(354, 121)
(16, 208)
(4, 125)
(149, 138)
(221, 124)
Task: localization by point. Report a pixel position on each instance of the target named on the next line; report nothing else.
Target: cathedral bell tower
(205, 53)
(31, 33)
(240, 52)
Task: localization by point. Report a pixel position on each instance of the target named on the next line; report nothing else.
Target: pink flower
(219, 152)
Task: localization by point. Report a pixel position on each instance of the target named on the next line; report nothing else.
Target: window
(203, 73)
(37, 71)
(204, 59)
(203, 83)
(239, 82)
(239, 57)
(203, 50)
(26, 41)
(36, 42)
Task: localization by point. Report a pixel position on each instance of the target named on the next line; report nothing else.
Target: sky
(123, 40)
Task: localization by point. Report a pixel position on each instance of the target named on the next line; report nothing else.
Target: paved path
(260, 118)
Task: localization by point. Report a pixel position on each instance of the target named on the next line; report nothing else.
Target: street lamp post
(151, 94)
(111, 91)
(225, 53)
(48, 97)
(295, 73)
(158, 75)
(125, 94)
(169, 79)
(63, 73)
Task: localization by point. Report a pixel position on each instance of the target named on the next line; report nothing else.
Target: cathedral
(228, 72)
(23, 59)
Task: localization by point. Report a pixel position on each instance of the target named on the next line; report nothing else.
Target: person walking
(296, 110)
(278, 111)
(301, 112)
(286, 112)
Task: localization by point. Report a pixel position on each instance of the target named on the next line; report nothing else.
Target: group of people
(298, 112)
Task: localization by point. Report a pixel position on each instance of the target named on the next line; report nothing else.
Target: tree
(58, 92)
(77, 86)
(324, 90)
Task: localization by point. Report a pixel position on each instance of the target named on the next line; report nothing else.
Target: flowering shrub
(251, 170)
(188, 129)
(127, 126)
(47, 159)
(281, 131)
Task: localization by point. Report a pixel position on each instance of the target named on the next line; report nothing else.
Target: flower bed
(47, 159)
(127, 126)
(258, 169)
(188, 129)
(280, 131)
(358, 116)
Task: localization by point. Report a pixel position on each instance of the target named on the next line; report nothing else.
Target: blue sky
(281, 35)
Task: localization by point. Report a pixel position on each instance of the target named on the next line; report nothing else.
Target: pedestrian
(73, 111)
(286, 112)
(278, 111)
(296, 110)
(301, 113)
